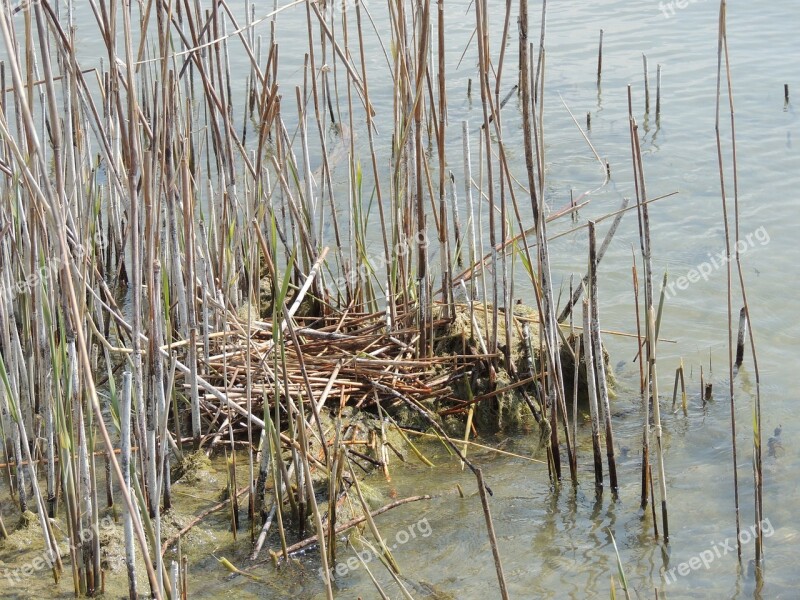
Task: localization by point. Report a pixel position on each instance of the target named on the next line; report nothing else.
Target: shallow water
(556, 544)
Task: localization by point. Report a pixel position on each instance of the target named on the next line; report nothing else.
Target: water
(558, 544)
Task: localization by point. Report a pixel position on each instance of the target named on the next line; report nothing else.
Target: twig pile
(342, 360)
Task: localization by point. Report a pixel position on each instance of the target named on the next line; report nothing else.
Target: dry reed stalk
(679, 379)
(599, 367)
(189, 300)
(576, 362)
(683, 388)
(17, 484)
(640, 342)
(125, 465)
(532, 147)
(600, 59)
(662, 479)
(544, 287)
(507, 283)
(492, 538)
(644, 242)
(312, 499)
(722, 50)
(590, 381)
(658, 95)
(470, 212)
(488, 112)
(390, 280)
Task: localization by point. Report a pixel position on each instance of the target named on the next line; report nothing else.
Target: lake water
(556, 544)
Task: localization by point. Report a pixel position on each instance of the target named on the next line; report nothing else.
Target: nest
(352, 360)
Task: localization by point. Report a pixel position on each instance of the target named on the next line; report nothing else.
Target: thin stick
(683, 388)
(722, 47)
(662, 481)
(492, 538)
(646, 85)
(757, 430)
(658, 93)
(600, 59)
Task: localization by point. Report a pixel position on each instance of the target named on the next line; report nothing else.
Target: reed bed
(191, 264)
